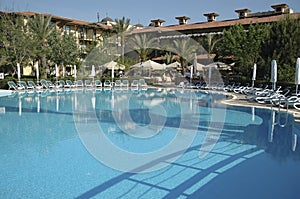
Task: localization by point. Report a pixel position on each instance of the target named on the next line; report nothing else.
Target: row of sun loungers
(263, 94)
(283, 98)
(47, 84)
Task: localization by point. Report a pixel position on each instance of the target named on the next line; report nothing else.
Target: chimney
(157, 22)
(243, 13)
(182, 20)
(211, 16)
(280, 8)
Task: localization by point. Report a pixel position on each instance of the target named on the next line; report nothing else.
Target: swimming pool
(172, 143)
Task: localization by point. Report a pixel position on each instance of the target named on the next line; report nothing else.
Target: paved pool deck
(5, 92)
(240, 100)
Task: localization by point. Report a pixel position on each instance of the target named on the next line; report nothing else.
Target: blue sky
(143, 12)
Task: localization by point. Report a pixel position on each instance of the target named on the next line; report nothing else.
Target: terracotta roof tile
(68, 20)
(215, 24)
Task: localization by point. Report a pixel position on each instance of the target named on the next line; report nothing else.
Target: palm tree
(143, 45)
(121, 27)
(211, 42)
(185, 49)
(168, 58)
(41, 28)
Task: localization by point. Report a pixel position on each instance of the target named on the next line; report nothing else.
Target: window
(278, 9)
(95, 34)
(67, 29)
(82, 33)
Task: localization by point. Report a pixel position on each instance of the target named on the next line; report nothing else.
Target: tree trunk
(182, 66)
(123, 49)
(45, 66)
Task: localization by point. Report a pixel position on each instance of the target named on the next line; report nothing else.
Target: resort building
(212, 25)
(86, 33)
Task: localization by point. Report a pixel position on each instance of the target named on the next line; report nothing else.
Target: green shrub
(3, 82)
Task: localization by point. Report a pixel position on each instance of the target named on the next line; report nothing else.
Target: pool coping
(240, 100)
(237, 99)
(4, 92)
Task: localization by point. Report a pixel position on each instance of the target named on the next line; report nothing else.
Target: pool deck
(236, 99)
(5, 92)
(240, 100)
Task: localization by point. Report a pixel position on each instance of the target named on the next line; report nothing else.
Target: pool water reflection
(256, 156)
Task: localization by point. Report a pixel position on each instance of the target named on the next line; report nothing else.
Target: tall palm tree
(143, 45)
(168, 58)
(211, 42)
(41, 28)
(122, 27)
(185, 49)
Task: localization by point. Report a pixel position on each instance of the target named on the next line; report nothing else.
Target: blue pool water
(172, 143)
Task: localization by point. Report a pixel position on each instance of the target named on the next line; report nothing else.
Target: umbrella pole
(297, 89)
(252, 83)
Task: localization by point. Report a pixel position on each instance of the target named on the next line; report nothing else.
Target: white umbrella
(211, 65)
(19, 71)
(297, 76)
(223, 66)
(112, 73)
(93, 73)
(56, 71)
(75, 72)
(209, 75)
(173, 65)
(191, 76)
(64, 71)
(199, 67)
(37, 72)
(195, 63)
(149, 65)
(273, 73)
(114, 64)
(254, 74)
